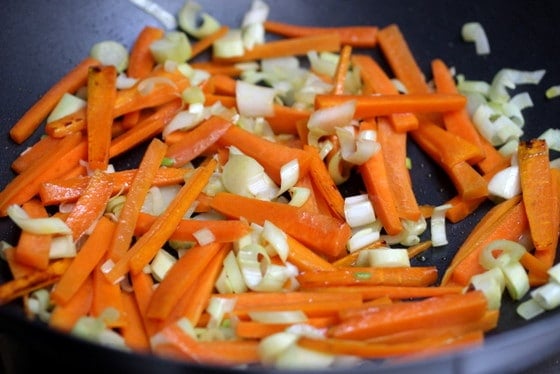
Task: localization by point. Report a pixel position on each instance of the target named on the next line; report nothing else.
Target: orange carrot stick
(57, 191)
(382, 105)
(194, 142)
(133, 332)
(304, 258)
(179, 278)
(287, 47)
(106, 295)
(102, 93)
(141, 60)
(272, 156)
(135, 198)
(206, 42)
(33, 249)
(393, 292)
(418, 276)
(324, 234)
(458, 122)
(493, 160)
(31, 120)
(397, 52)
(394, 149)
(355, 36)
(64, 317)
(26, 185)
(341, 70)
(17, 269)
(379, 187)
(90, 206)
(285, 119)
(85, 261)
(537, 191)
(435, 311)
(224, 231)
(34, 153)
(468, 182)
(146, 247)
(145, 129)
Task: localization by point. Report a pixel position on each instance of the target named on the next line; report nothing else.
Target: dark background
(41, 41)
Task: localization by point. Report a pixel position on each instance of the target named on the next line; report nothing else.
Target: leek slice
(110, 52)
(188, 19)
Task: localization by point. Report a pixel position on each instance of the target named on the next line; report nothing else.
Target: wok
(41, 40)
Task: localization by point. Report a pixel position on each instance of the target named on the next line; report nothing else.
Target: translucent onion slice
(358, 210)
(229, 45)
(287, 317)
(492, 284)
(243, 175)
(512, 249)
(276, 239)
(296, 357)
(204, 236)
(517, 280)
(554, 273)
(160, 265)
(253, 34)
(110, 52)
(510, 78)
(124, 81)
(552, 137)
(51, 225)
(474, 32)
(388, 257)
(257, 13)
(299, 195)
(67, 104)
(324, 121)
(505, 183)
(273, 345)
(174, 46)
(253, 100)
(552, 92)
(529, 309)
(217, 308)
(195, 22)
(356, 149)
(146, 85)
(289, 175)
(364, 236)
(437, 225)
(158, 12)
(547, 295)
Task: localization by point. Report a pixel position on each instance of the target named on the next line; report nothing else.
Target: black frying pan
(41, 40)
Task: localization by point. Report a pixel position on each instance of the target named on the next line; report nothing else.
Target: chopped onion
(510, 78)
(67, 104)
(217, 308)
(183, 120)
(356, 149)
(437, 225)
(552, 138)
(474, 32)
(512, 249)
(299, 195)
(529, 309)
(110, 52)
(188, 18)
(552, 92)
(296, 357)
(364, 236)
(258, 271)
(287, 316)
(554, 273)
(232, 281)
(289, 175)
(388, 257)
(51, 225)
(174, 46)
(505, 183)
(491, 283)
(252, 35)
(517, 280)
(358, 210)
(229, 45)
(158, 12)
(324, 121)
(273, 345)
(276, 239)
(547, 295)
(145, 86)
(204, 236)
(253, 100)
(257, 13)
(160, 265)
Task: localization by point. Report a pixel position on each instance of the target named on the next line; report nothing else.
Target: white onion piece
(289, 175)
(437, 225)
(217, 308)
(512, 249)
(296, 357)
(287, 317)
(517, 280)
(204, 236)
(547, 295)
(299, 195)
(67, 104)
(364, 236)
(174, 46)
(474, 32)
(554, 273)
(145, 86)
(188, 18)
(529, 309)
(253, 100)
(252, 35)
(552, 138)
(43, 226)
(497, 131)
(358, 210)
(257, 13)
(552, 92)
(324, 121)
(388, 257)
(229, 45)
(110, 52)
(124, 82)
(510, 78)
(231, 279)
(356, 149)
(276, 239)
(183, 120)
(273, 345)
(62, 246)
(505, 183)
(151, 7)
(160, 265)
(492, 285)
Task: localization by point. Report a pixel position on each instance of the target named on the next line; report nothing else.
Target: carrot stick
(493, 160)
(34, 153)
(394, 149)
(64, 317)
(85, 261)
(324, 184)
(363, 349)
(179, 278)
(459, 121)
(18, 287)
(375, 80)
(382, 105)
(222, 84)
(70, 123)
(145, 129)
(376, 179)
(214, 68)
(177, 344)
(272, 156)
(304, 258)
(194, 142)
(397, 52)
(106, 295)
(102, 94)
(26, 185)
(143, 289)
(418, 276)
(35, 115)
(419, 248)
(285, 119)
(206, 42)
(17, 269)
(224, 231)
(91, 205)
(436, 311)
(341, 70)
(146, 247)
(355, 36)
(324, 234)
(351, 258)
(57, 191)
(133, 332)
(393, 292)
(547, 256)
(468, 182)
(287, 47)
(141, 60)
(33, 249)
(511, 226)
(135, 198)
(537, 192)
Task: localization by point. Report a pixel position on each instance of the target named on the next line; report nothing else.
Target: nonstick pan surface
(41, 40)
